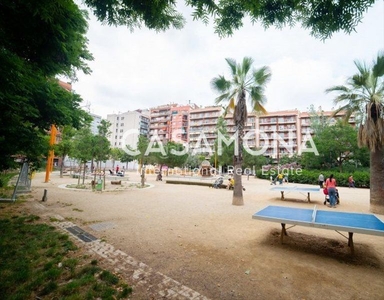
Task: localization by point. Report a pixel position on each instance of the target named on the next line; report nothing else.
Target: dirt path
(194, 235)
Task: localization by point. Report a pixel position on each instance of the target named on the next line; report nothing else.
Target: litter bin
(99, 185)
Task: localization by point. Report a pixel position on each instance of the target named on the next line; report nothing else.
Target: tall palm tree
(363, 96)
(245, 81)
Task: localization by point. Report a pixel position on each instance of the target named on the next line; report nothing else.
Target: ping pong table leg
(283, 232)
(350, 242)
(282, 195)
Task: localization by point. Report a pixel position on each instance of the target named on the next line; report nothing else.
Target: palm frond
(220, 84)
(360, 139)
(246, 66)
(230, 108)
(232, 65)
(257, 95)
(244, 81)
(338, 88)
(259, 108)
(222, 98)
(378, 65)
(262, 75)
(361, 67)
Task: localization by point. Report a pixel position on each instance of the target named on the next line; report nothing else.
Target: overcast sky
(145, 69)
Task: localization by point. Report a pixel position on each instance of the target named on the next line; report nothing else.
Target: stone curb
(157, 284)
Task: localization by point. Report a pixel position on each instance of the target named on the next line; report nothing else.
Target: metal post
(44, 196)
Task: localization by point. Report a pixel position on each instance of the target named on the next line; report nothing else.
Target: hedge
(311, 176)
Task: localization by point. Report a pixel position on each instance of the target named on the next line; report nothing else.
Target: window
(122, 124)
(121, 130)
(122, 118)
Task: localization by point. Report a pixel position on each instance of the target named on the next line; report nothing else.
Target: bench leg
(309, 198)
(350, 242)
(283, 232)
(282, 195)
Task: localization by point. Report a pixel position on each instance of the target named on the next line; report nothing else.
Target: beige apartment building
(202, 128)
(276, 133)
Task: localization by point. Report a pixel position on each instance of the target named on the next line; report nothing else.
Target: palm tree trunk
(237, 198)
(376, 181)
(240, 117)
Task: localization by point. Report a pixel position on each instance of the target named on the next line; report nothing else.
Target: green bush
(311, 176)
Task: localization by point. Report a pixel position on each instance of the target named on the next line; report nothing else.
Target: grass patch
(39, 262)
(78, 186)
(138, 185)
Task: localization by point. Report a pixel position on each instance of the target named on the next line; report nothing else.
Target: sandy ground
(195, 235)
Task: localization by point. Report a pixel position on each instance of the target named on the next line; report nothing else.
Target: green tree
(336, 145)
(126, 156)
(318, 121)
(193, 161)
(65, 146)
(115, 154)
(38, 41)
(100, 144)
(252, 161)
(223, 156)
(175, 155)
(363, 96)
(244, 81)
(142, 156)
(83, 150)
(322, 17)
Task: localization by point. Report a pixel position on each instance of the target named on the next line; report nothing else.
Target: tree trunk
(84, 173)
(62, 166)
(238, 188)
(240, 119)
(376, 181)
(142, 175)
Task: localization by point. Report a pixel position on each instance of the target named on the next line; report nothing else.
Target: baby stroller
(218, 182)
(326, 199)
(159, 177)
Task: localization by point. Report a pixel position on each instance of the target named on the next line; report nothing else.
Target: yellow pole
(51, 154)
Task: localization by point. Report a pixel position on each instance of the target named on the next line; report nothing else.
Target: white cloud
(144, 69)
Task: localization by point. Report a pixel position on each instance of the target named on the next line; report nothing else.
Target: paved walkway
(156, 284)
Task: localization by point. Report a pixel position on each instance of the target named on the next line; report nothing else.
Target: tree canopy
(38, 41)
(321, 17)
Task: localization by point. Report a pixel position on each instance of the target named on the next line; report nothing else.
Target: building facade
(276, 134)
(126, 127)
(170, 122)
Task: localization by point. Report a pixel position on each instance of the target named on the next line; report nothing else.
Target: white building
(126, 127)
(95, 123)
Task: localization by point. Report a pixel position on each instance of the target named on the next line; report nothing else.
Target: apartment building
(126, 127)
(276, 133)
(170, 122)
(202, 127)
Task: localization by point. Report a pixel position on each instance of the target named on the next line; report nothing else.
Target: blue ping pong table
(300, 189)
(334, 220)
